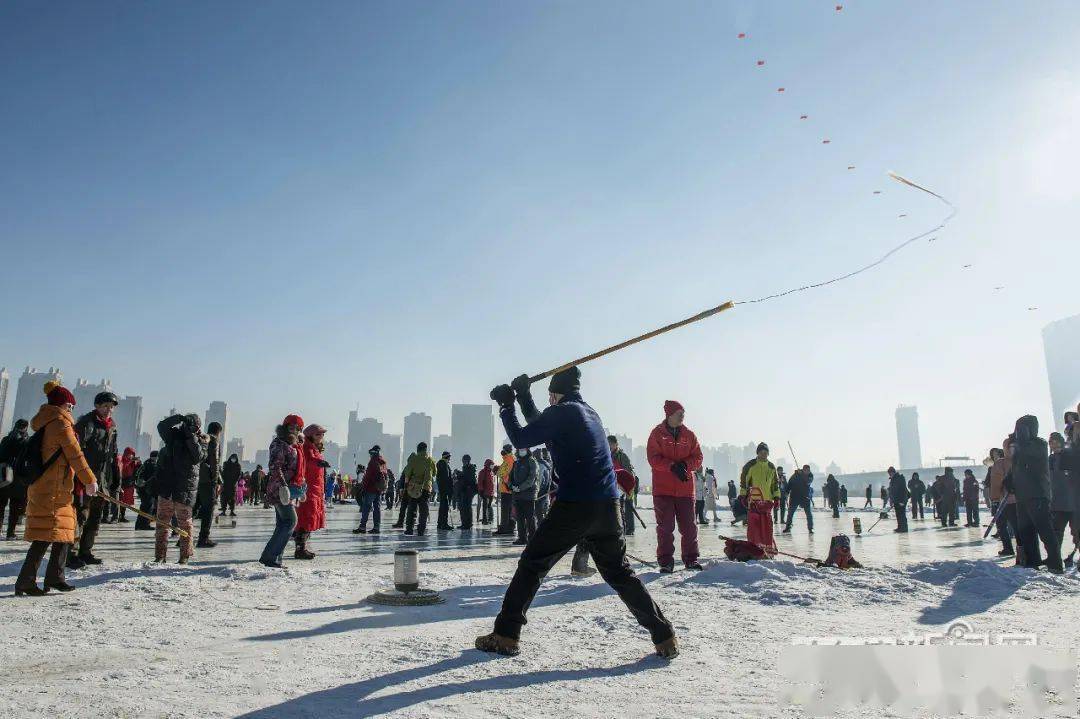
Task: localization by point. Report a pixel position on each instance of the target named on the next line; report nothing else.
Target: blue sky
(305, 207)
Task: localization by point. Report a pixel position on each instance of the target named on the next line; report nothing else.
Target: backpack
(29, 463)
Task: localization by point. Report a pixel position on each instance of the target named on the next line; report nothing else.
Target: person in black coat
(799, 498)
(444, 484)
(230, 476)
(465, 488)
(184, 448)
(146, 489)
(898, 495)
(13, 494)
(1029, 480)
(97, 439)
(945, 497)
(832, 495)
(972, 498)
(917, 489)
(209, 481)
(1064, 479)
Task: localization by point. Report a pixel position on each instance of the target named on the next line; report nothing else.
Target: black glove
(521, 385)
(324, 464)
(503, 396)
(679, 469)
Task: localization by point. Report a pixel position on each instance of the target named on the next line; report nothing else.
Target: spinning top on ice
(406, 591)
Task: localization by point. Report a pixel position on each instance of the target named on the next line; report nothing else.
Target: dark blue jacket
(575, 436)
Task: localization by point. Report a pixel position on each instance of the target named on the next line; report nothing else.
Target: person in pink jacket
(674, 455)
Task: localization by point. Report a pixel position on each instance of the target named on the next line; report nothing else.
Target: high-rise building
(85, 392)
(143, 445)
(417, 430)
(391, 451)
(262, 457)
(641, 465)
(332, 453)
(472, 431)
(218, 412)
(30, 394)
(5, 384)
(363, 435)
(907, 437)
(1061, 345)
(128, 419)
(235, 446)
(443, 443)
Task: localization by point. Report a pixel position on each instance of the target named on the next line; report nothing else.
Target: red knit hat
(671, 407)
(57, 394)
(293, 419)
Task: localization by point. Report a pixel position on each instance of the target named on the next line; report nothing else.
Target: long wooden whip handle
(641, 338)
(137, 511)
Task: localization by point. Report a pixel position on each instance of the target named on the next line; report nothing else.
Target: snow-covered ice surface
(226, 637)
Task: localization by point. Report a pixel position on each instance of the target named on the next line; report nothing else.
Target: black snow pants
(567, 524)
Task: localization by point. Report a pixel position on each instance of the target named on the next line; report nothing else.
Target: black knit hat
(565, 382)
(762, 446)
(374, 450)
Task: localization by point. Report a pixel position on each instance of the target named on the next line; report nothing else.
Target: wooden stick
(139, 512)
(641, 338)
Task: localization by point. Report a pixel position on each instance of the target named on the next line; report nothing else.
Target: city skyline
(725, 457)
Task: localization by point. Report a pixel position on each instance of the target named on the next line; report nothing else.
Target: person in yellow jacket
(506, 497)
(50, 518)
(419, 478)
(758, 491)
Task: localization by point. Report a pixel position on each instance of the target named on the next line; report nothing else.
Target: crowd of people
(75, 478)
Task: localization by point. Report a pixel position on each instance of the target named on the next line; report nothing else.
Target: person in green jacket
(419, 477)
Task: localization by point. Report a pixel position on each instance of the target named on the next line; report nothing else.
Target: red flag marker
(742, 35)
(779, 89)
(760, 63)
(839, 8)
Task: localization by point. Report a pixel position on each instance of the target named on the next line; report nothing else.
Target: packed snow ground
(226, 637)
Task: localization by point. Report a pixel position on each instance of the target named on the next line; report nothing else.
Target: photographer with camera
(183, 449)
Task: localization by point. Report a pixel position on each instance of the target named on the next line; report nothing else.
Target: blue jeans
(369, 504)
(286, 522)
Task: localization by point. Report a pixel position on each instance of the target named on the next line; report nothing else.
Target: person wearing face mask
(586, 508)
(285, 487)
(97, 439)
(176, 479)
(674, 455)
(311, 511)
(50, 517)
(524, 482)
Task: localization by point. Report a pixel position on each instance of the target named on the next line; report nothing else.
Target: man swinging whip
(586, 508)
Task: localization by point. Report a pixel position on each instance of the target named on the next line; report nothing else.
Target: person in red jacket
(486, 487)
(674, 454)
(129, 465)
(374, 482)
(311, 513)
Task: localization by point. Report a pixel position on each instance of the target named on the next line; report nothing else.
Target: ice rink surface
(225, 636)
